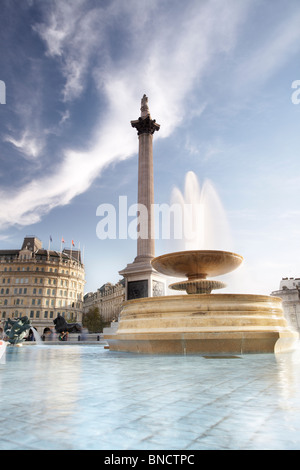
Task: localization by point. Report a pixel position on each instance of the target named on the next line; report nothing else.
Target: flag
(62, 240)
(50, 238)
(73, 244)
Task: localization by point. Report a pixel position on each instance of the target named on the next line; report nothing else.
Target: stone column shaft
(146, 128)
(146, 246)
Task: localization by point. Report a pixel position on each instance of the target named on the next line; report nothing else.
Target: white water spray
(205, 222)
(36, 336)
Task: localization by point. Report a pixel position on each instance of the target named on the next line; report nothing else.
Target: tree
(93, 320)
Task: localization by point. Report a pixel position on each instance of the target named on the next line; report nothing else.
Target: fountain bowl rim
(156, 262)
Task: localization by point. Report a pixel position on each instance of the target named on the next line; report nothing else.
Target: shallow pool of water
(87, 397)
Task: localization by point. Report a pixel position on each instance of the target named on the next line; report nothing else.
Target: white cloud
(29, 145)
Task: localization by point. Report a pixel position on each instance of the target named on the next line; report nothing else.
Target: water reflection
(85, 397)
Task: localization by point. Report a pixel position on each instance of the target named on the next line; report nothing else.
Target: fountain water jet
(205, 222)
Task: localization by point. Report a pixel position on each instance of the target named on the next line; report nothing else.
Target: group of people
(48, 335)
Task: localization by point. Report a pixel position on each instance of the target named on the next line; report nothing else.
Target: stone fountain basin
(203, 324)
(197, 264)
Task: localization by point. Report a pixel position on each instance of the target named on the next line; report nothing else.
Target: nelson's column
(141, 279)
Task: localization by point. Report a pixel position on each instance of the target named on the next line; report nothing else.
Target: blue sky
(218, 74)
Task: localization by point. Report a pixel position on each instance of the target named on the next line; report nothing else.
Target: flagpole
(62, 241)
(72, 244)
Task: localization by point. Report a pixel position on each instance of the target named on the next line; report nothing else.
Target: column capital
(145, 125)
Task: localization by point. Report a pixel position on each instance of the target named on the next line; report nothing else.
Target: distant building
(108, 298)
(289, 292)
(41, 283)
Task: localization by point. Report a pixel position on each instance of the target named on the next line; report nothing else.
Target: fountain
(20, 330)
(201, 322)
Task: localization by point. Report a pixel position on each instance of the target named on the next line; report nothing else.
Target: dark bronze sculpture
(17, 330)
(61, 325)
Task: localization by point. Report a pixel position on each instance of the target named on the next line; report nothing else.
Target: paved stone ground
(86, 397)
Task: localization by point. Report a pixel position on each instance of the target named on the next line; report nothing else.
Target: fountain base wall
(203, 324)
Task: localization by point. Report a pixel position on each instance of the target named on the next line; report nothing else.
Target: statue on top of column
(144, 124)
(144, 107)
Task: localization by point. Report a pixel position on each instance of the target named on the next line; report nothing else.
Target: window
(31, 313)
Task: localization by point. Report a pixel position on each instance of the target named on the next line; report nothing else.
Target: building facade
(41, 283)
(289, 292)
(108, 298)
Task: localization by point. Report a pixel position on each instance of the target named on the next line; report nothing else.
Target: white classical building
(109, 299)
(41, 284)
(289, 292)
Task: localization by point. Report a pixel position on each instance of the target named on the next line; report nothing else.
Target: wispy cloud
(28, 145)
